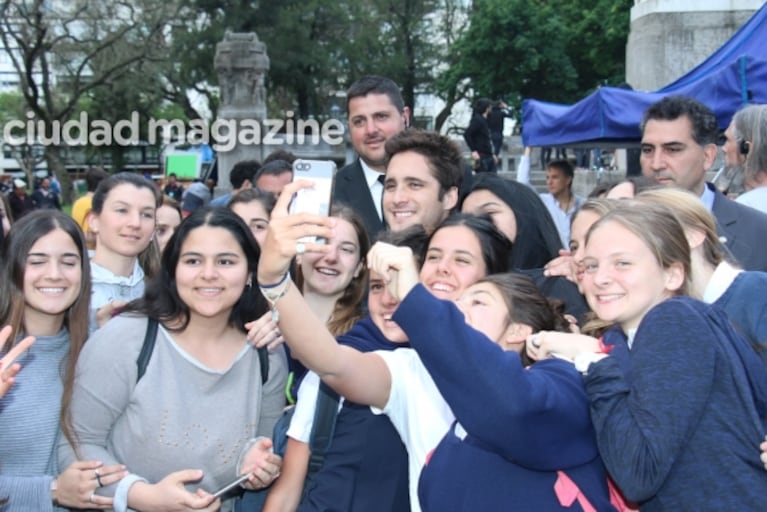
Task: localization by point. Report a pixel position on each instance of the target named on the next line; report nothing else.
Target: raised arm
(523, 168)
(541, 406)
(530, 408)
(361, 378)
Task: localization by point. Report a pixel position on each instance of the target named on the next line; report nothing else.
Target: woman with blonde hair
(715, 280)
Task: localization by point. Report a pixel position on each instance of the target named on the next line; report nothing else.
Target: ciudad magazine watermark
(221, 134)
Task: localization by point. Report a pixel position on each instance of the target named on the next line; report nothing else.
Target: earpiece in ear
(744, 146)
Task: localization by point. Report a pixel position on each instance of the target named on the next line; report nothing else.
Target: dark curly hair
(704, 126)
(444, 158)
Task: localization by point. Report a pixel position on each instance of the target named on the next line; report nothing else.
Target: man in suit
(679, 137)
(376, 112)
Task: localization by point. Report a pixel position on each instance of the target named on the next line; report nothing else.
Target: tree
(28, 156)
(316, 47)
(596, 40)
(63, 51)
(12, 106)
(450, 84)
(553, 50)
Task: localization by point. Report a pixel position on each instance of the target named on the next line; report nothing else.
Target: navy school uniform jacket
(524, 425)
(365, 466)
(680, 416)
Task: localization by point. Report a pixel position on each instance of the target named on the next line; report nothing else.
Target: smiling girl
(44, 293)
(679, 405)
(123, 220)
(191, 417)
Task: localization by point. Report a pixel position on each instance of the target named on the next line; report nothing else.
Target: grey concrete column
(241, 63)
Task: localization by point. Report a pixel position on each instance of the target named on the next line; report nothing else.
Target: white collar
(630, 337)
(371, 175)
(100, 274)
(721, 279)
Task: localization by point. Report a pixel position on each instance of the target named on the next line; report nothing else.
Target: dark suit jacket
(745, 229)
(352, 190)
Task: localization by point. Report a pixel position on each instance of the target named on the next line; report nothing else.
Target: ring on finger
(535, 341)
(98, 480)
(91, 497)
(300, 247)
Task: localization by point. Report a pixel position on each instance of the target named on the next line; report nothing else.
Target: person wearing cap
(19, 200)
(198, 194)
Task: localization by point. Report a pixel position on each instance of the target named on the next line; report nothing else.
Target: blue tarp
(732, 76)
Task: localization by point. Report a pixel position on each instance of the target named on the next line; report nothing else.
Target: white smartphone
(318, 199)
(231, 485)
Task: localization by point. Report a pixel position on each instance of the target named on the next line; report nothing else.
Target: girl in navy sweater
(679, 406)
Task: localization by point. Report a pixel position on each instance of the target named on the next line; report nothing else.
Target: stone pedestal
(670, 37)
(241, 63)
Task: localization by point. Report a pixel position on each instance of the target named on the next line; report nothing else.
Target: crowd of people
(445, 339)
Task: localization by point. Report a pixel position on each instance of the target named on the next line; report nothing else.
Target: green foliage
(12, 106)
(553, 50)
(316, 47)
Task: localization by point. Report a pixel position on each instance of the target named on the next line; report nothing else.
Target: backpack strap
(263, 361)
(324, 426)
(147, 348)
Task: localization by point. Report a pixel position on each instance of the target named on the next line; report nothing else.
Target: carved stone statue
(241, 63)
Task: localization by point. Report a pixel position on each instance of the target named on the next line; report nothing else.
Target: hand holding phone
(318, 199)
(231, 485)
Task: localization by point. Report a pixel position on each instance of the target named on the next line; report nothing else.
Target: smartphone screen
(231, 485)
(317, 199)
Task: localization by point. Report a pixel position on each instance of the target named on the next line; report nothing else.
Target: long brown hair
(349, 307)
(691, 213)
(527, 305)
(18, 243)
(659, 229)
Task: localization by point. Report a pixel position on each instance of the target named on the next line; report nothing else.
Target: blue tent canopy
(732, 76)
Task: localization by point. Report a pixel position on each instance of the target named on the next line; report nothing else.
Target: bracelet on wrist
(55, 491)
(274, 293)
(275, 285)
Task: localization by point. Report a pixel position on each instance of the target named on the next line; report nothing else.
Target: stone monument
(670, 37)
(241, 63)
